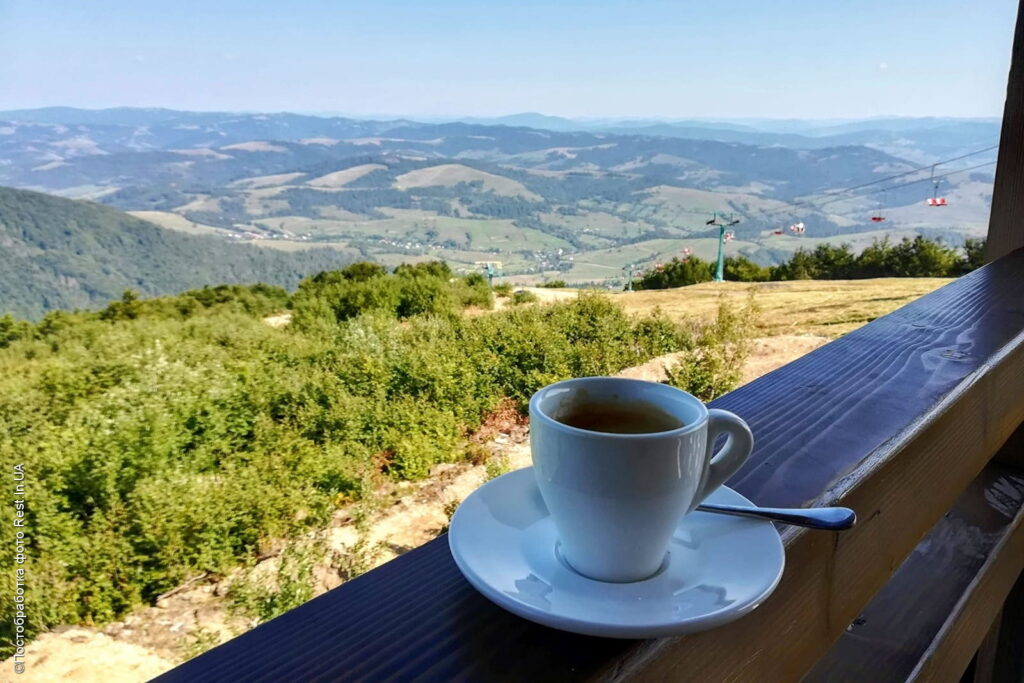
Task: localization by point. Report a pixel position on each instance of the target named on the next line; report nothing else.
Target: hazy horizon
(428, 118)
(643, 60)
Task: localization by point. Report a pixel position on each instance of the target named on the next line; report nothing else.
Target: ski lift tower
(491, 268)
(629, 276)
(722, 224)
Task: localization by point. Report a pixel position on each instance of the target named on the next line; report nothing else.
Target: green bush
(160, 447)
(715, 353)
(522, 296)
(554, 284)
(472, 290)
(261, 598)
(504, 289)
(423, 288)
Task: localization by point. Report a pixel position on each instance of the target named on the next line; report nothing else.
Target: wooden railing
(898, 420)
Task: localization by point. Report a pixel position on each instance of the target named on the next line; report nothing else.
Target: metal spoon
(829, 519)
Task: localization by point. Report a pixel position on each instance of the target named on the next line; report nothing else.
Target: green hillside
(62, 254)
(577, 205)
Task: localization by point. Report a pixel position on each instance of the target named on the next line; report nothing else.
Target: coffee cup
(619, 462)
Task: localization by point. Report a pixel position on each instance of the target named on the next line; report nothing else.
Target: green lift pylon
(491, 268)
(629, 276)
(722, 225)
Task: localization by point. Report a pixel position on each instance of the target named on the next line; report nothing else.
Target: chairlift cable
(810, 203)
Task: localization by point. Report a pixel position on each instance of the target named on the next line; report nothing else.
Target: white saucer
(718, 569)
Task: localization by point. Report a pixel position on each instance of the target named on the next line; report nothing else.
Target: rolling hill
(567, 200)
(57, 253)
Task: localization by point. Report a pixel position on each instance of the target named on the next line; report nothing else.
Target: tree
(362, 271)
(677, 273)
(875, 260)
(742, 269)
(833, 262)
(11, 330)
(438, 269)
(922, 257)
(974, 256)
(801, 266)
(126, 309)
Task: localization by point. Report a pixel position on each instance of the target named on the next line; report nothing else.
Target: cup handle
(737, 449)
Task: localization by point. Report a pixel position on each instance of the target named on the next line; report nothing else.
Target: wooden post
(1006, 225)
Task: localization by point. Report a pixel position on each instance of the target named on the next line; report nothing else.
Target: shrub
(437, 269)
(504, 289)
(261, 598)
(713, 363)
(420, 295)
(554, 284)
(163, 447)
(423, 288)
(522, 296)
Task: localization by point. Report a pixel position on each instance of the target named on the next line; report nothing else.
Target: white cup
(616, 498)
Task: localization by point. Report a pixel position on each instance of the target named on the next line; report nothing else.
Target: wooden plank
(963, 634)
(1006, 221)
(924, 395)
(929, 619)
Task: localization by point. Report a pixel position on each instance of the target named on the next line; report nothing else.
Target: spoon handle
(829, 519)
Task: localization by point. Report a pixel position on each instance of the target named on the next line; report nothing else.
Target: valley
(575, 205)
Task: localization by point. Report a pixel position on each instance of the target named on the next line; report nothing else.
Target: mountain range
(545, 196)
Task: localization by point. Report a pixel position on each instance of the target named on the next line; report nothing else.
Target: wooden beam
(894, 420)
(934, 612)
(1006, 223)
(899, 495)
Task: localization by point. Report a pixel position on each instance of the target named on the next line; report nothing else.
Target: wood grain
(1006, 222)
(932, 615)
(894, 420)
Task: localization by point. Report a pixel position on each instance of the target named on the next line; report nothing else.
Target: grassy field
(828, 308)
(267, 180)
(173, 221)
(453, 174)
(346, 176)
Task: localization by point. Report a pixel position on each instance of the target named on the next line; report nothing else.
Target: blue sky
(674, 59)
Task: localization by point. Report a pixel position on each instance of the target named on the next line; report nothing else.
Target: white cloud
(884, 66)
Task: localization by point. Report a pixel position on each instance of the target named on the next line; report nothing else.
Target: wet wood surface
(936, 604)
(894, 420)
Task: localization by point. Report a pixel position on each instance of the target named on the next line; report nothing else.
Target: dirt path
(278, 319)
(543, 294)
(153, 639)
